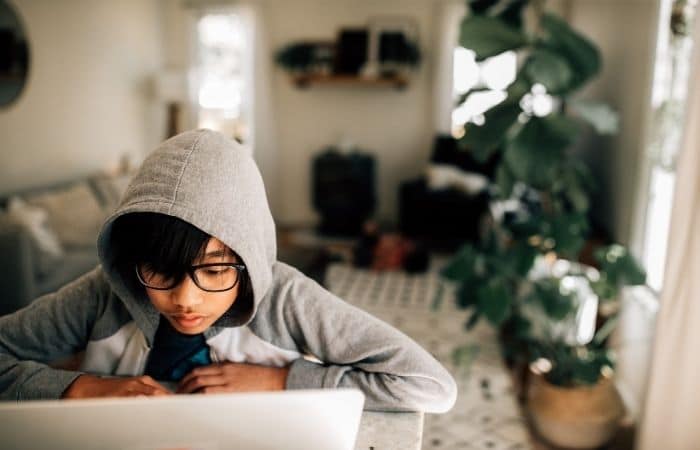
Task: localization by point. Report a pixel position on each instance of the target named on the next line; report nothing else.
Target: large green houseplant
(513, 276)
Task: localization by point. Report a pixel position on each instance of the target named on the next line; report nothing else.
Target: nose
(186, 294)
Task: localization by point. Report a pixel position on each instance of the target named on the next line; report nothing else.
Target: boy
(189, 292)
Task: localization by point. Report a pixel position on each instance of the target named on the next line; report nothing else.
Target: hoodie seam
(182, 172)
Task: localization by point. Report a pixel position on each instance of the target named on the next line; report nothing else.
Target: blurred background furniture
(48, 235)
(445, 207)
(343, 191)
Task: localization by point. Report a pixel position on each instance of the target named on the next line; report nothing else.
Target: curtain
(264, 127)
(448, 18)
(672, 405)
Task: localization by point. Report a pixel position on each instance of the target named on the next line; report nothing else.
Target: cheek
(158, 299)
(224, 301)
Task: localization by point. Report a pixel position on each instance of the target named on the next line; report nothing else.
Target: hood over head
(213, 183)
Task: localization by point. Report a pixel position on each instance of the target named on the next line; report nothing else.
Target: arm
(52, 327)
(357, 350)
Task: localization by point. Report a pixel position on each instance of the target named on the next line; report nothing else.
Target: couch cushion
(73, 264)
(46, 247)
(109, 189)
(74, 214)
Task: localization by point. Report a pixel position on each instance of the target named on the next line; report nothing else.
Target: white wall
(86, 101)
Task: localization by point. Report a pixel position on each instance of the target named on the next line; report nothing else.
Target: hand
(88, 386)
(233, 377)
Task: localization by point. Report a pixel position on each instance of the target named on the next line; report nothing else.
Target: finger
(214, 369)
(201, 381)
(147, 389)
(148, 381)
(216, 389)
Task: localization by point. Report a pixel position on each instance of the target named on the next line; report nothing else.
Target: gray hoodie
(214, 184)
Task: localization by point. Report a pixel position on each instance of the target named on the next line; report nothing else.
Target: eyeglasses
(214, 277)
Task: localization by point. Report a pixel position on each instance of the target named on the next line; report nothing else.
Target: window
(668, 102)
(495, 74)
(222, 82)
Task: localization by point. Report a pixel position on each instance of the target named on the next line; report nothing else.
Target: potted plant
(571, 397)
(519, 275)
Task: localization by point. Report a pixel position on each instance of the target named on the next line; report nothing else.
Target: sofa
(48, 235)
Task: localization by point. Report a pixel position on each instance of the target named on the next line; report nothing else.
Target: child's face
(189, 309)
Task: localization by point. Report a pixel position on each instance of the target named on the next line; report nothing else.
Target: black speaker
(343, 191)
(351, 53)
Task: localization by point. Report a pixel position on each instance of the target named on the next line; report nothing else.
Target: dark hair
(167, 244)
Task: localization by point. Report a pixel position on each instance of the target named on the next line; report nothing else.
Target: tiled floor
(486, 415)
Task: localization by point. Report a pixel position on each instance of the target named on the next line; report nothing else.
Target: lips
(188, 320)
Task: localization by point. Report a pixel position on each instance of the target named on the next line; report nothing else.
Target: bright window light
(494, 74)
(658, 221)
(466, 70)
(498, 73)
(223, 93)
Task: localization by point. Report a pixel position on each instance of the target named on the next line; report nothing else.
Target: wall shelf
(307, 80)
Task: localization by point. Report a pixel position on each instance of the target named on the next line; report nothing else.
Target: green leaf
(522, 258)
(586, 372)
(584, 175)
(572, 183)
(473, 320)
(521, 327)
(517, 89)
(549, 69)
(605, 331)
(461, 266)
(582, 55)
(577, 197)
(603, 118)
(494, 301)
(535, 155)
(569, 232)
(483, 140)
(489, 36)
(556, 305)
(619, 268)
(466, 297)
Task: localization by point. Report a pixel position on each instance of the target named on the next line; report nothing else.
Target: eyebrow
(220, 252)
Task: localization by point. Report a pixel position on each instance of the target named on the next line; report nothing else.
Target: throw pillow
(74, 214)
(47, 248)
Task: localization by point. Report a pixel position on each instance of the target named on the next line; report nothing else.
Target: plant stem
(538, 7)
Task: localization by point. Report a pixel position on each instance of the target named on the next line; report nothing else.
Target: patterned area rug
(486, 415)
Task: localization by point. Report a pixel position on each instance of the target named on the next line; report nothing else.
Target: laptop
(303, 419)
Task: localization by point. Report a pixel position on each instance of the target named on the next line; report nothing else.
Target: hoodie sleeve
(357, 350)
(54, 326)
